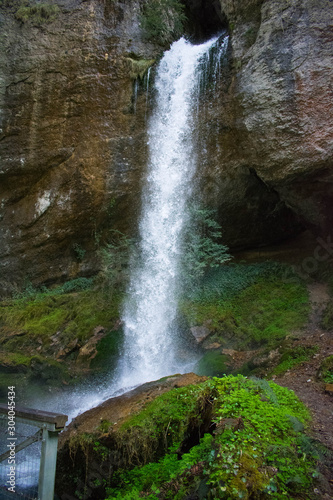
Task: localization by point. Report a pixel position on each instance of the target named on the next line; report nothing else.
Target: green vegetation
(138, 67)
(327, 320)
(248, 305)
(294, 357)
(212, 364)
(326, 370)
(39, 13)
(242, 305)
(71, 314)
(31, 292)
(115, 258)
(56, 323)
(203, 249)
(162, 21)
(163, 423)
(256, 449)
(79, 252)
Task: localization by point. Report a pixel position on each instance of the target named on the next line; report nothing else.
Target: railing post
(48, 461)
(50, 424)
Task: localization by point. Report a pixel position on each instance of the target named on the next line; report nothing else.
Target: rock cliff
(278, 118)
(73, 130)
(70, 142)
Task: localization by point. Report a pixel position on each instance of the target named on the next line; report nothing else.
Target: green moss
(294, 357)
(261, 313)
(163, 422)
(108, 351)
(138, 67)
(325, 372)
(37, 14)
(14, 359)
(259, 454)
(212, 364)
(52, 321)
(75, 315)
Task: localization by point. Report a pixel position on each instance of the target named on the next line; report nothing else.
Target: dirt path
(303, 381)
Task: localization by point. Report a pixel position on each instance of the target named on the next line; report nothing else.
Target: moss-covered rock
(223, 438)
(248, 306)
(53, 336)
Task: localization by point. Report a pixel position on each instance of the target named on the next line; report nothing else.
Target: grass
(326, 370)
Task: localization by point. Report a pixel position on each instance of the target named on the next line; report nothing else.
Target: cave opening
(205, 19)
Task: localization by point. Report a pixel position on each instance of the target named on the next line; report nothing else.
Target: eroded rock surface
(73, 139)
(277, 118)
(71, 144)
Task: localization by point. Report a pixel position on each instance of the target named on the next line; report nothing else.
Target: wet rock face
(70, 141)
(277, 115)
(73, 141)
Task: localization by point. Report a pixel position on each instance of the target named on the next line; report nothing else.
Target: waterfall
(150, 310)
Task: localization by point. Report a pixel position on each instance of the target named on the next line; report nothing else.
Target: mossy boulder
(55, 335)
(186, 437)
(119, 432)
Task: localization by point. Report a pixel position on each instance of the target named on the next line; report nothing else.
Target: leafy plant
(79, 252)
(202, 248)
(162, 21)
(326, 370)
(254, 451)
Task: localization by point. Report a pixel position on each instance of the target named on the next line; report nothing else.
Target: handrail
(49, 424)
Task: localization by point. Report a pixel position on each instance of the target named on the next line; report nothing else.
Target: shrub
(202, 247)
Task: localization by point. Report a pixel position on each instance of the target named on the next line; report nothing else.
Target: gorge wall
(73, 137)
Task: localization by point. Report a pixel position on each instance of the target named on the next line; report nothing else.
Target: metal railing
(28, 458)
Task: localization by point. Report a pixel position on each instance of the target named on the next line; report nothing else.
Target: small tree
(202, 244)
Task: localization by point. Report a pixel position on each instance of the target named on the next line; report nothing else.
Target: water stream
(151, 346)
(150, 310)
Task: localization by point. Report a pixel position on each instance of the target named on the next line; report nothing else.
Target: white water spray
(151, 307)
(150, 349)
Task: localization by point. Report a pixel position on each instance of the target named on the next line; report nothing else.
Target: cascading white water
(150, 309)
(151, 306)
